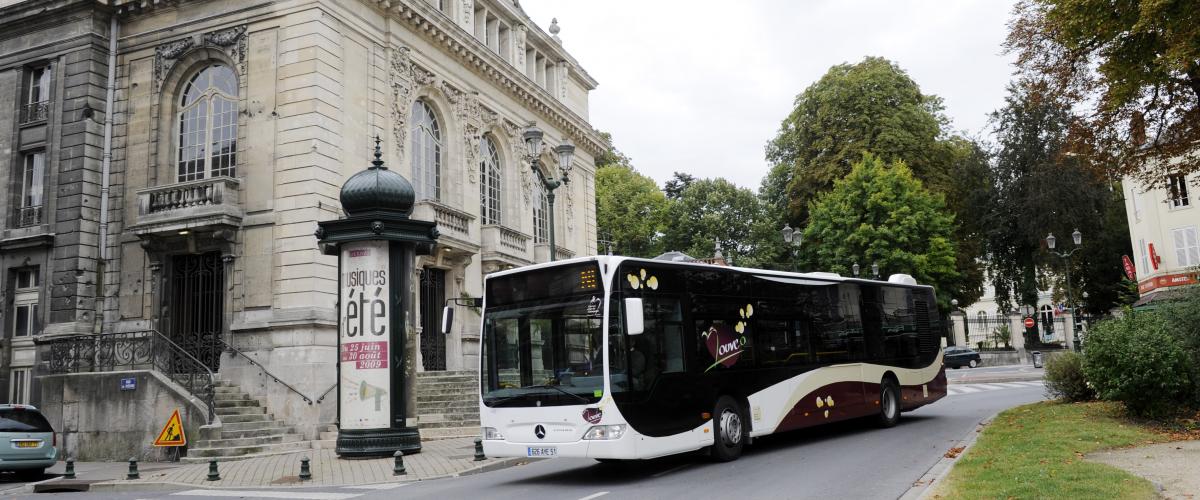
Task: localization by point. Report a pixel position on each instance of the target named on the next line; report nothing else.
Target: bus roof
(783, 276)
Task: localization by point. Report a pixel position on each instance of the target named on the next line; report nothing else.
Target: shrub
(1064, 378)
(1183, 320)
(1138, 360)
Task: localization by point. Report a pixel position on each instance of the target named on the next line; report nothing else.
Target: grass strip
(1036, 451)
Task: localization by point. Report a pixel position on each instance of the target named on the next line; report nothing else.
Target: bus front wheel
(729, 430)
(889, 403)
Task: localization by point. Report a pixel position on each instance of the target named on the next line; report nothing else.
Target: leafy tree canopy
(873, 106)
(679, 182)
(883, 214)
(1132, 65)
(630, 211)
(710, 211)
(611, 155)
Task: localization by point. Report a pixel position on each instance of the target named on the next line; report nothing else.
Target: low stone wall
(97, 421)
(1001, 358)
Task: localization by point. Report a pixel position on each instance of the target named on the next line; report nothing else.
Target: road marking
(988, 387)
(1010, 385)
(382, 486)
(957, 389)
(965, 389)
(301, 495)
(668, 471)
(594, 495)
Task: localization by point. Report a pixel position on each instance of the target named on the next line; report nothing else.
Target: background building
(1163, 225)
(173, 211)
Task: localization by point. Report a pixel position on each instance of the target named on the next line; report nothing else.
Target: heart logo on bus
(724, 345)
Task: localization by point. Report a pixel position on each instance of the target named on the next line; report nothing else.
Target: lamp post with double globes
(792, 238)
(565, 152)
(1077, 238)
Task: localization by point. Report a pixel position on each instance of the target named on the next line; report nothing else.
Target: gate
(197, 306)
(433, 297)
(988, 332)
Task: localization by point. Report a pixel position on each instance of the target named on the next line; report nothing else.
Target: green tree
(679, 182)
(874, 106)
(630, 211)
(871, 106)
(883, 214)
(611, 155)
(1041, 188)
(1133, 66)
(710, 211)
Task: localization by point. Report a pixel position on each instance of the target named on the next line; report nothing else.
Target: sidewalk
(438, 458)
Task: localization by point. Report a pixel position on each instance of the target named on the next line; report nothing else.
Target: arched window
(208, 124)
(541, 215)
(1046, 317)
(489, 185)
(426, 152)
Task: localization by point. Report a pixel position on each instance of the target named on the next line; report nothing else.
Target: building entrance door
(197, 306)
(433, 298)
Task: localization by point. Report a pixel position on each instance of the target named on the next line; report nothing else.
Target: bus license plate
(543, 451)
(28, 444)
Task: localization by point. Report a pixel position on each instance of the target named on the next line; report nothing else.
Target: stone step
(270, 450)
(219, 390)
(231, 396)
(267, 431)
(226, 442)
(448, 432)
(327, 435)
(241, 451)
(248, 417)
(251, 425)
(325, 444)
(445, 386)
(235, 403)
(446, 417)
(463, 407)
(240, 410)
(443, 425)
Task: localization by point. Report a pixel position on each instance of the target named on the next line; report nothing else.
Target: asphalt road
(844, 460)
(1006, 372)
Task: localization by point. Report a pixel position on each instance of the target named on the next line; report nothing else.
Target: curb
(119, 486)
(921, 489)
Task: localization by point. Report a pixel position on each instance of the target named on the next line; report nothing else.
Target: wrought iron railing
(35, 111)
(264, 370)
(144, 350)
(326, 393)
(29, 216)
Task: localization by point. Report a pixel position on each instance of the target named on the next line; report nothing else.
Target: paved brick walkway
(440, 458)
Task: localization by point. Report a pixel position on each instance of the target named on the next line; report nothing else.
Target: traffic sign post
(1030, 323)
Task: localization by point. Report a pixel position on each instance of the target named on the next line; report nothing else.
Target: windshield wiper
(559, 389)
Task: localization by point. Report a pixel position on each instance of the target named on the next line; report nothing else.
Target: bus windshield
(543, 354)
(541, 341)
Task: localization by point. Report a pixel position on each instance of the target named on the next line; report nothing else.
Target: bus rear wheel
(729, 430)
(889, 403)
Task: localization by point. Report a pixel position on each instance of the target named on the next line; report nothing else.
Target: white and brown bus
(620, 358)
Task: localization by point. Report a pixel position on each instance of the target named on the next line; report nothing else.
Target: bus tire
(889, 403)
(729, 430)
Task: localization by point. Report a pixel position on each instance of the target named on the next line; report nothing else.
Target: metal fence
(146, 350)
(988, 332)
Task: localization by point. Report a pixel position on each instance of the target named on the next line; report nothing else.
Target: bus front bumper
(624, 447)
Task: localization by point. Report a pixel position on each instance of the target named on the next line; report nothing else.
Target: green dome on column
(376, 190)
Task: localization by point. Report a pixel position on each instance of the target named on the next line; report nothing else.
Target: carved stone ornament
(405, 77)
(516, 139)
(232, 41)
(165, 56)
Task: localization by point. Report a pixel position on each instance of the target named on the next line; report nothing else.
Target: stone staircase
(448, 404)
(247, 430)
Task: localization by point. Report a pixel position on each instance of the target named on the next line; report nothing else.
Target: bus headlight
(491, 434)
(604, 432)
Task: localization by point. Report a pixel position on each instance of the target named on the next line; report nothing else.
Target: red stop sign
(1029, 322)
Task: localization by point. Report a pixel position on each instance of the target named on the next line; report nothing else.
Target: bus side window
(618, 367)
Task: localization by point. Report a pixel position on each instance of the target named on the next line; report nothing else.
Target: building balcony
(541, 252)
(201, 204)
(504, 248)
(35, 112)
(29, 216)
(453, 225)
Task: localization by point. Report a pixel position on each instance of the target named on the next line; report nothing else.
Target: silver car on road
(27, 442)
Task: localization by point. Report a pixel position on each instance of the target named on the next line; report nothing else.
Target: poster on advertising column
(365, 335)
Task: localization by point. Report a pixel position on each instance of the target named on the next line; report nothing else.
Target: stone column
(1016, 333)
(958, 321)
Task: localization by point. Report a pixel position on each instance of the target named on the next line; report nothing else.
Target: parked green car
(28, 444)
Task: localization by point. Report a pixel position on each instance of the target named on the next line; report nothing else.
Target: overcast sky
(701, 86)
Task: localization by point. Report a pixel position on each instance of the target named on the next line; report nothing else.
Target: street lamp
(1077, 238)
(854, 269)
(791, 237)
(875, 269)
(565, 153)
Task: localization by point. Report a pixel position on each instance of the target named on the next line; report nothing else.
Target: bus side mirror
(447, 319)
(633, 317)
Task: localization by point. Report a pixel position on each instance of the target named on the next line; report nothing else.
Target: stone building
(1164, 229)
(167, 163)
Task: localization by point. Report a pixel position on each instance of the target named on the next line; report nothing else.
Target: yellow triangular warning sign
(172, 433)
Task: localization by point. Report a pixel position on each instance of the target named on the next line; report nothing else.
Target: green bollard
(133, 472)
(70, 472)
(213, 473)
(398, 468)
(479, 456)
(305, 473)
